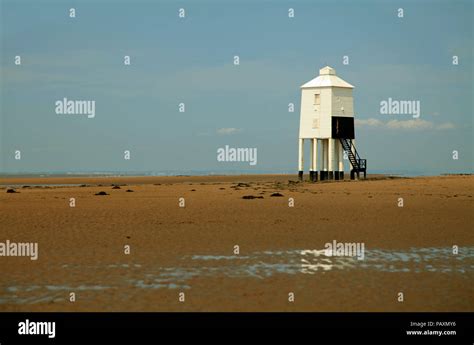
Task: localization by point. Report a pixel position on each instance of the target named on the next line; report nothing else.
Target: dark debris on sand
(276, 194)
(101, 193)
(239, 185)
(11, 190)
(252, 197)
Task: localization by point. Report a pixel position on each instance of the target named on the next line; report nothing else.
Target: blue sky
(190, 60)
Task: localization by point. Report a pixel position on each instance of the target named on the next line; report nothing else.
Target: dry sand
(81, 249)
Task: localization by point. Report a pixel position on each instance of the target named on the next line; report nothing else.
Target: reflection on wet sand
(258, 265)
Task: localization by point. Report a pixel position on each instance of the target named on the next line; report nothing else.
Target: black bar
(239, 328)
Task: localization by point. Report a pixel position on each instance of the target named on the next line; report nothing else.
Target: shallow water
(258, 265)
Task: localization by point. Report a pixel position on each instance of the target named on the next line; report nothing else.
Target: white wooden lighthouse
(327, 120)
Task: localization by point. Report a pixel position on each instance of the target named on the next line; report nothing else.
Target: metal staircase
(358, 165)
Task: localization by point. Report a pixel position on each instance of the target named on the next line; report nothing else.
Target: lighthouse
(327, 121)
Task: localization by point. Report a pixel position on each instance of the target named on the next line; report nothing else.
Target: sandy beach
(190, 249)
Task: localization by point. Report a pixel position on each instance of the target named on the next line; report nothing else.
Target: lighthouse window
(317, 99)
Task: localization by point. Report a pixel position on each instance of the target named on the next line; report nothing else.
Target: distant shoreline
(203, 174)
(95, 180)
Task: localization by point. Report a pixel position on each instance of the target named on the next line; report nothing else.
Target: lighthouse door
(342, 127)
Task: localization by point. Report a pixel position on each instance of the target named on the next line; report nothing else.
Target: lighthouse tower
(327, 120)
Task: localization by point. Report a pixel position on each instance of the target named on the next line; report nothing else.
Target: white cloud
(403, 124)
(228, 131)
(409, 124)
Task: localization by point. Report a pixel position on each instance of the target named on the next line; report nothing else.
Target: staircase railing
(358, 164)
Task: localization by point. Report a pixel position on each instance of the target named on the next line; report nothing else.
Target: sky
(191, 60)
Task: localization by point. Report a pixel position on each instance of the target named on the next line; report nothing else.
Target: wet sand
(190, 249)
